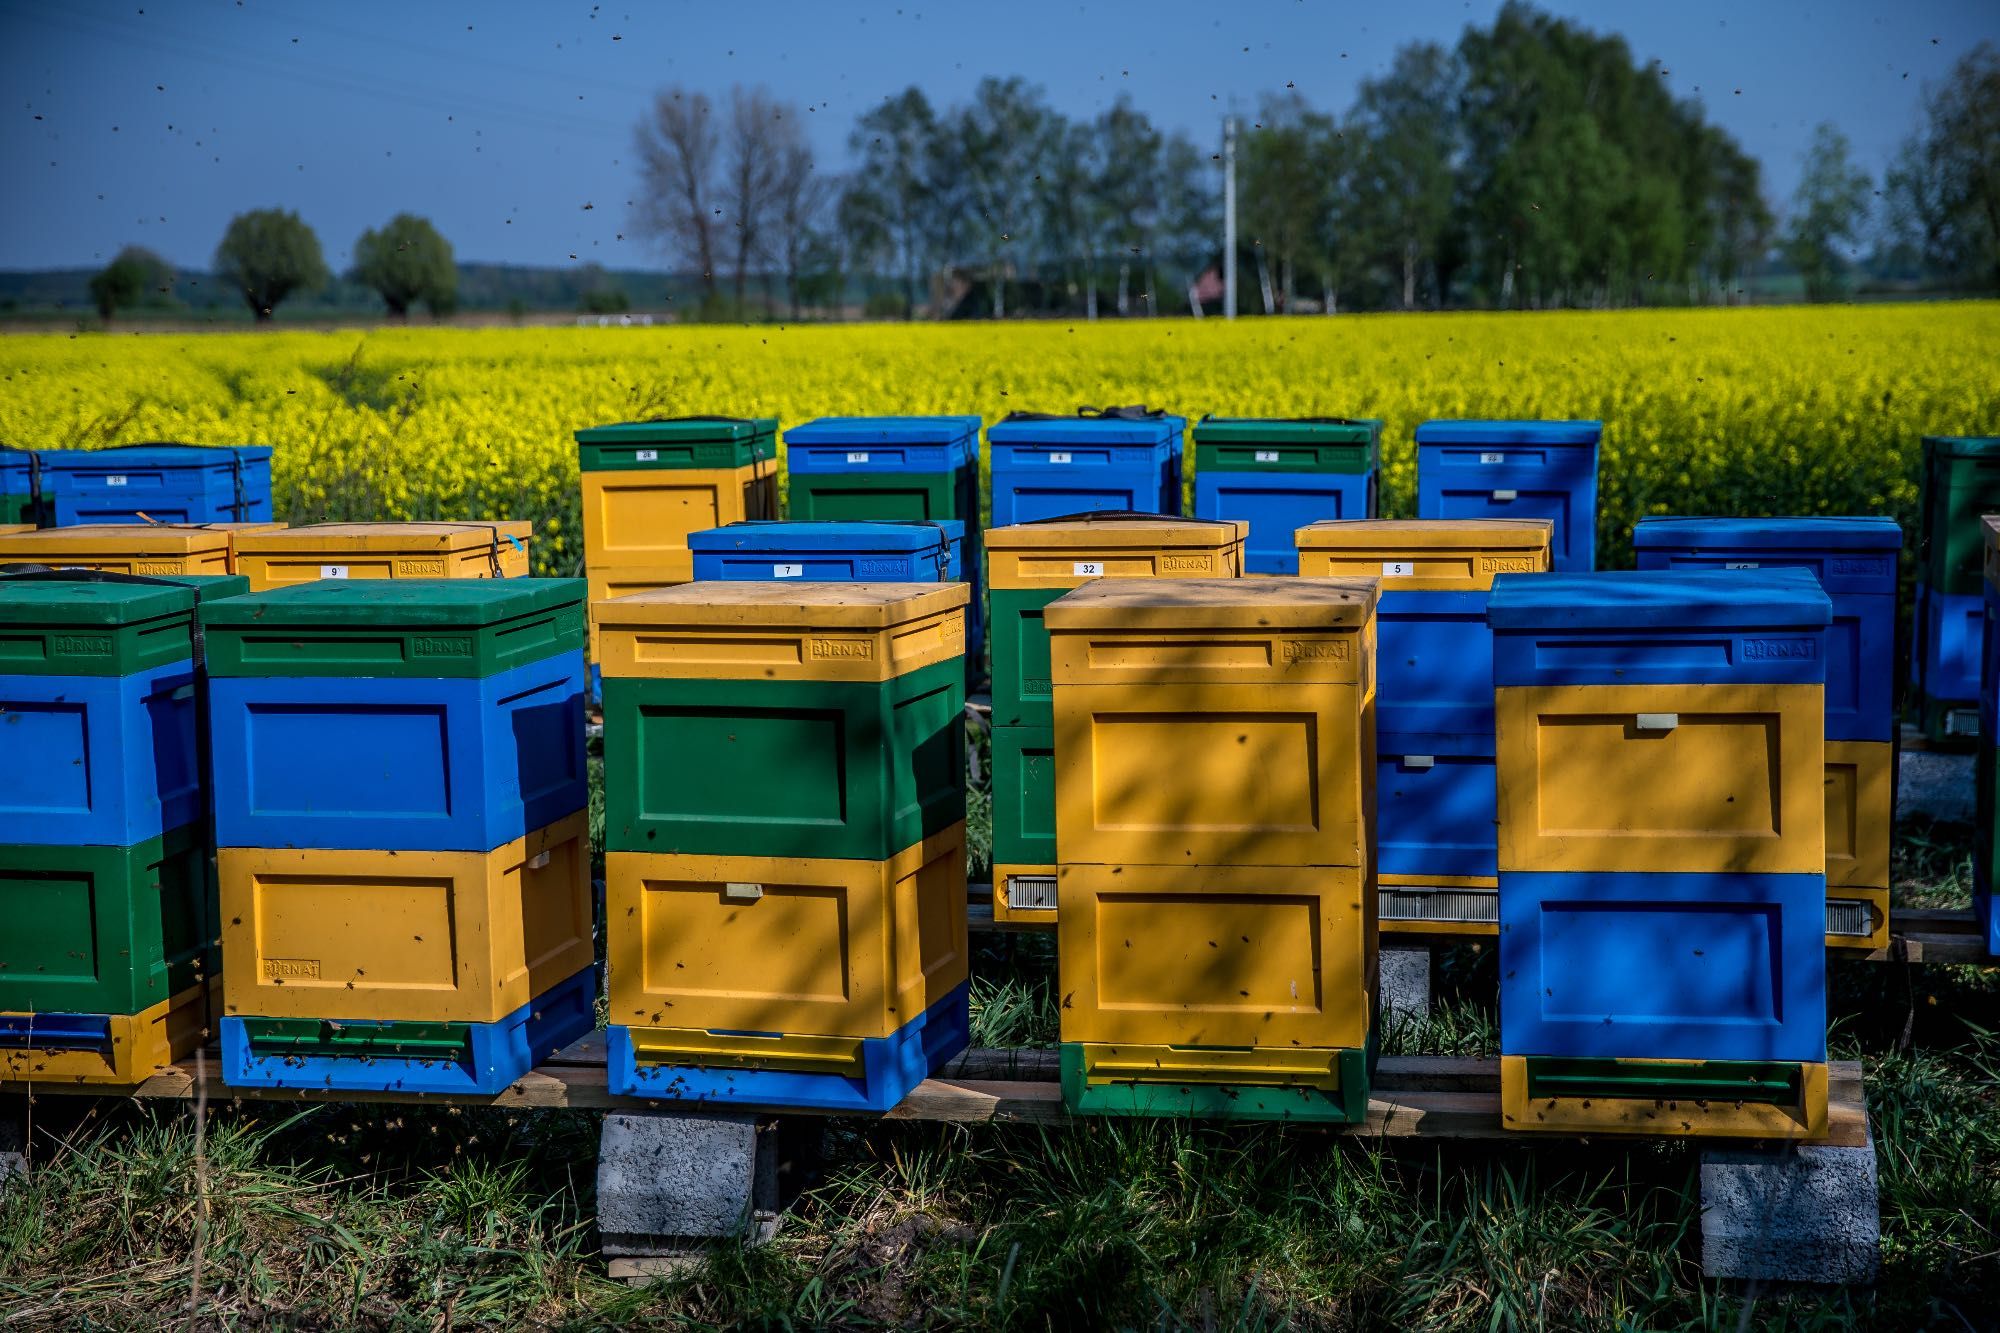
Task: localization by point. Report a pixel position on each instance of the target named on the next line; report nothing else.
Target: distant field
(1798, 409)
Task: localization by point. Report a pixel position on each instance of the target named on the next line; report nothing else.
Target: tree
(677, 204)
(1827, 213)
(1001, 142)
(888, 211)
(1129, 148)
(407, 262)
(1944, 190)
(801, 201)
(1284, 194)
(1404, 181)
(1190, 226)
(134, 277)
(267, 255)
(761, 132)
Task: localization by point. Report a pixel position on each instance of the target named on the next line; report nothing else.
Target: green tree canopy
(1827, 213)
(407, 261)
(135, 277)
(267, 255)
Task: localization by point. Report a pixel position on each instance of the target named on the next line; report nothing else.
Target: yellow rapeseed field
(1798, 410)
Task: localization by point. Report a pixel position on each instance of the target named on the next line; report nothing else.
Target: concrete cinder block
(665, 1177)
(1791, 1213)
(1404, 986)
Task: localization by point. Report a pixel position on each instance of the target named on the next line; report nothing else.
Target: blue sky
(510, 124)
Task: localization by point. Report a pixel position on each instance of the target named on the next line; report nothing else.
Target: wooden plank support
(1437, 1097)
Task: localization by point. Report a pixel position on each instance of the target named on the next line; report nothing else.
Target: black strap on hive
(34, 477)
(1094, 515)
(944, 535)
(1137, 412)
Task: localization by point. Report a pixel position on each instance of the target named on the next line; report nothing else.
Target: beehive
(132, 548)
(384, 551)
(157, 483)
(1121, 461)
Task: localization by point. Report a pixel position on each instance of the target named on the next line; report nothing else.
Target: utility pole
(1229, 217)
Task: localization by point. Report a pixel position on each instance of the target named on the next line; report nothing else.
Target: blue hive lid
(1089, 430)
(1663, 600)
(855, 535)
(884, 430)
(157, 455)
(1510, 432)
(1817, 533)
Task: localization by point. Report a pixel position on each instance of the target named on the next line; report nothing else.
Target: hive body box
(1961, 483)
(158, 483)
(1050, 467)
(1986, 764)
(911, 469)
(281, 558)
(1515, 470)
(165, 550)
(1854, 560)
(108, 951)
(410, 910)
(1435, 786)
(1217, 933)
(786, 916)
(1030, 565)
(1282, 474)
(648, 484)
(1662, 852)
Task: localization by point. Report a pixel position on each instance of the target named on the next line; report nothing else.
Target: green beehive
(105, 930)
(677, 442)
(88, 627)
(1285, 444)
(1961, 483)
(410, 628)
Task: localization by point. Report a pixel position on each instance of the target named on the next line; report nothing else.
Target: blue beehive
(1662, 853)
(382, 763)
(883, 444)
(886, 1070)
(1518, 470)
(1854, 560)
(1126, 460)
(832, 552)
(159, 483)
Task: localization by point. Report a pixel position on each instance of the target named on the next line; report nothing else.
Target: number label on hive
(857, 457)
(333, 571)
(1267, 455)
(646, 456)
(787, 571)
(1490, 459)
(1399, 569)
(1087, 569)
(1059, 458)
(114, 480)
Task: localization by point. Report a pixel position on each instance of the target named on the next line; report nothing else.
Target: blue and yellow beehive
(1855, 561)
(400, 794)
(108, 956)
(1434, 786)
(785, 841)
(1213, 788)
(1662, 852)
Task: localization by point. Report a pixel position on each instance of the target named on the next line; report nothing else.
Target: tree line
(1534, 164)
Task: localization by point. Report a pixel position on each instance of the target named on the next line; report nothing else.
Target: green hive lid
(64, 627)
(1286, 430)
(677, 442)
(395, 627)
(1964, 446)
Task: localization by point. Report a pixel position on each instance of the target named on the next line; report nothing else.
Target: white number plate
(788, 571)
(646, 456)
(1267, 455)
(1059, 458)
(114, 480)
(857, 458)
(1088, 569)
(333, 571)
(1740, 564)
(1399, 569)
(1492, 458)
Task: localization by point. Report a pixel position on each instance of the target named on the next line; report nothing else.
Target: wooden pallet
(1437, 1097)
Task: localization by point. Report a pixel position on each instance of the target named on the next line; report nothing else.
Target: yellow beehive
(1702, 779)
(1216, 956)
(1068, 553)
(142, 1044)
(752, 630)
(1425, 554)
(434, 937)
(384, 551)
(703, 945)
(160, 549)
(1860, 810)
(1214, 722)
(1600, 1111)
(642, 518)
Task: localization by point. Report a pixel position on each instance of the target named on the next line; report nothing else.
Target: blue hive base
(891, 1067)
(501, 1052)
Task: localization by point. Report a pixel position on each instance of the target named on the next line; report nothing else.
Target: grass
(411, 1217)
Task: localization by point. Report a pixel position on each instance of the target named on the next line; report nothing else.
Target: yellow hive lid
(1425, 554)
(1069, 534)
(118, 538)
(437, 538)
(1183, 604)
(781, 631)
(9, 529)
